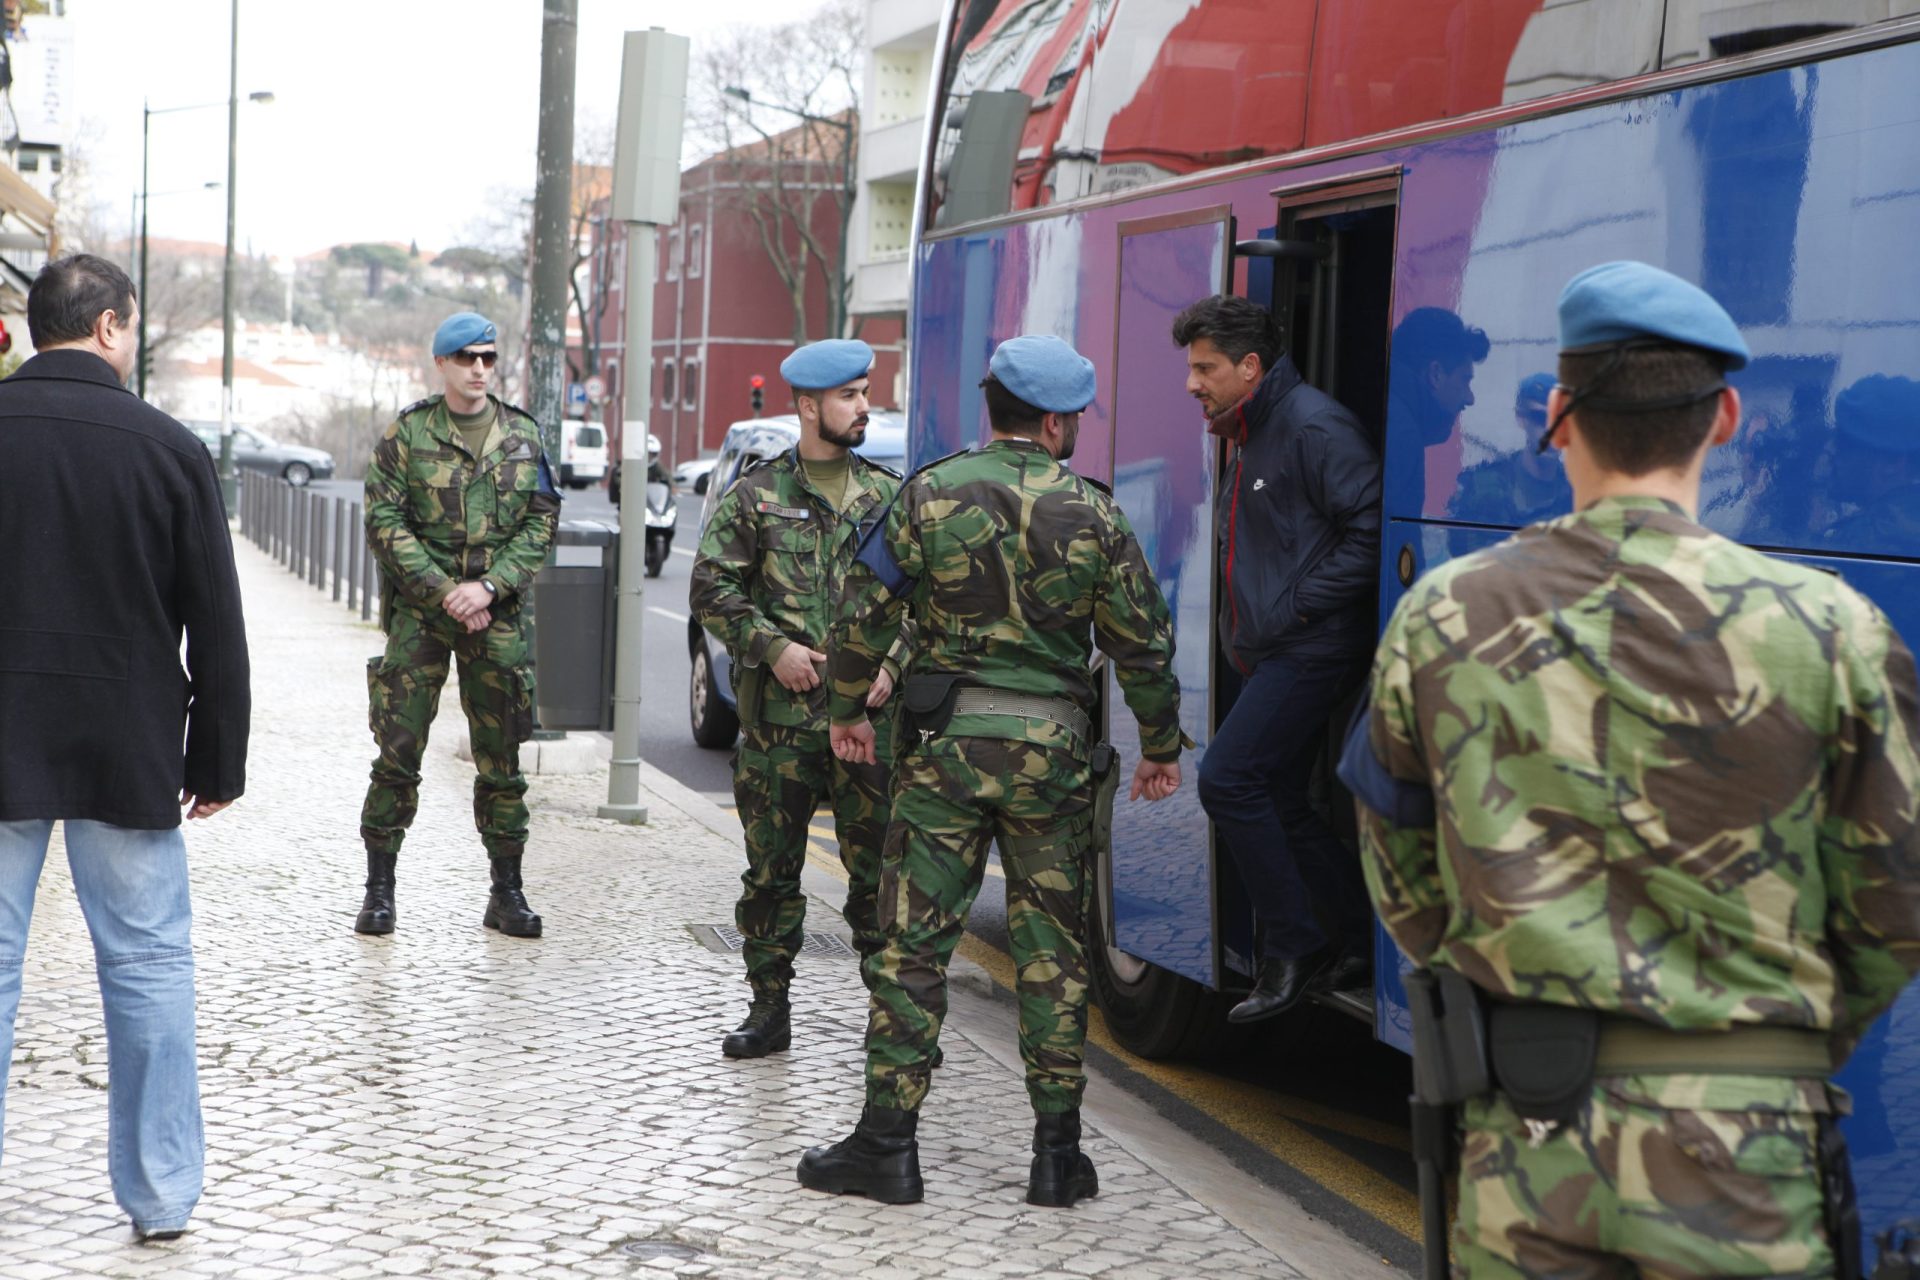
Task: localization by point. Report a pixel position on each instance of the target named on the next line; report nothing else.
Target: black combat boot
(1061, 1174)
(879, 1160)
(376, 910)
(507, 908)
(766, 1030)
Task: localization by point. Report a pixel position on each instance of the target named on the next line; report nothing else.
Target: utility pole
(552, 198)
(646, 193)
(229, 490)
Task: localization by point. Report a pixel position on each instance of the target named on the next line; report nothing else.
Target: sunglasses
(465, 359)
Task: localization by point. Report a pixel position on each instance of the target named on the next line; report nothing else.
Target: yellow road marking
(1271, 1121)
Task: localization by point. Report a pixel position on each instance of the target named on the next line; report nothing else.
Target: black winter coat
(1299, 524)
(113, 542)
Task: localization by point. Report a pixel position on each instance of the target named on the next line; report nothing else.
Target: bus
(1360, 167)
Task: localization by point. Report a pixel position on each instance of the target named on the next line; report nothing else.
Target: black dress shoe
(376, 910)
(766, 1030)
(507, 908)
(1280, 985)
(879, 1160)
(1353, 970)
(1061, 1173)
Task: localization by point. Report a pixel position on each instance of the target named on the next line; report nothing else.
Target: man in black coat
(1298, 516)
(113, 545)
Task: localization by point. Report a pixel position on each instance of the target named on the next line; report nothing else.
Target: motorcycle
(662, 517)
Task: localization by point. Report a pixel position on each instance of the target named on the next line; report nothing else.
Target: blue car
(714, 713)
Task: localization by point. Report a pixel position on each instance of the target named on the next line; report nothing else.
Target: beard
(1068, 438)
(855, 433)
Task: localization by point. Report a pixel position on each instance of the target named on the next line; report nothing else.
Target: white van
(583, 453)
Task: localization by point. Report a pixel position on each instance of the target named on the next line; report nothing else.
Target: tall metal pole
(630, 610)
(552, 200)
(226, 279)
(140, 370)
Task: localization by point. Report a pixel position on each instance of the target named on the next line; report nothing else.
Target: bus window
(1723, 28)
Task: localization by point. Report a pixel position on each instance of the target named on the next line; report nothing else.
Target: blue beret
(1623, 301)
(1045, 372)
(1880, 412)
(462, 329)
(833, 363)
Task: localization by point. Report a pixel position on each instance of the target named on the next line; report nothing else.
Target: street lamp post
(846, 173)
(146, 121)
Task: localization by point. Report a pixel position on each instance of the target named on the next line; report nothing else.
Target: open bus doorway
(1326, 271)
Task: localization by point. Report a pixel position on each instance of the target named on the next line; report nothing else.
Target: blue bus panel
(1790, 194)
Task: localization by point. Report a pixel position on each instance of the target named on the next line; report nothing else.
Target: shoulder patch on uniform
(758, 463)
(928, 466)
(871, 465)
(1101, 485)
(413, 408)
(787, 513)
(514, 408)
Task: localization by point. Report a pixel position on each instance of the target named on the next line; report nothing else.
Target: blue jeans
(1253, 784)
(132, 887)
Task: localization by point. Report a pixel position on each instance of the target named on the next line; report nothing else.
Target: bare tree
(782, 102)
(592, 217)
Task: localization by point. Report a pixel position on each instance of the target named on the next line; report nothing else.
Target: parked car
(583, 453)
(712, 708)
(693, 474)
(294, 463)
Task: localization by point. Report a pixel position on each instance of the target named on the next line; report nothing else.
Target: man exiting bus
(1654, 794)
(1299, 528)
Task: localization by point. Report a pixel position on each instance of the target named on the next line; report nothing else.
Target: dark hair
(1008, 412)
(1238, 327)
(69, 294)
(1434, 333)
(1637, 442)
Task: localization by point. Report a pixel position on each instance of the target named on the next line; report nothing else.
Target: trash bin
(573, 601)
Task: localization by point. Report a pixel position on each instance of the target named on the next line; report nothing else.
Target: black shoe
(1281, 984)
(879, 1160)
(766, 1030)
(507, 908)
(376, 911)
(1061, 1173)
(166, 1234)
(1353, 970)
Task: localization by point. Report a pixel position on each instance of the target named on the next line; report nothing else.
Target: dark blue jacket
(1299, 524)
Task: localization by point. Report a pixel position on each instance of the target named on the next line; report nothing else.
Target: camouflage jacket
(769, 573)
(1013, 559)
(437, 516)
(1672, 778)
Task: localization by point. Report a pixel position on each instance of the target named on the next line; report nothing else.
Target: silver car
(294, 463)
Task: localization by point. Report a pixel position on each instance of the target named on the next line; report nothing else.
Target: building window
(667, 384)
(690, 384)
(696, 251)
(673, 254)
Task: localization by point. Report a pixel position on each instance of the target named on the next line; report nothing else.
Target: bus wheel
(1154, 1012)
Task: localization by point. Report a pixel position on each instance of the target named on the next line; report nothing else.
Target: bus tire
(1152, 1012)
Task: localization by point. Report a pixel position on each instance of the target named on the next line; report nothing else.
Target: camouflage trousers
(781, 774)
(951, 797)
(1659, 1178)
(403, 693)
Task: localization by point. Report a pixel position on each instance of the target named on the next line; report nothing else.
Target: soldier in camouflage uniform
(1618, 763)
(765, 584)
(1006, 561)
(461, 507)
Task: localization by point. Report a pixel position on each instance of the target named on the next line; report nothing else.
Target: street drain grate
(648, 1249)
(725, 939)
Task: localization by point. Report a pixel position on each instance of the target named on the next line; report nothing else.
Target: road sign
(596, 389)
(576, 397)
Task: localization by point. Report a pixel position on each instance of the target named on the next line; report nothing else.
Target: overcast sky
(393, 119)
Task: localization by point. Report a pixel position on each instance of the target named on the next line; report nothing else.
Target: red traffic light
(756, 382)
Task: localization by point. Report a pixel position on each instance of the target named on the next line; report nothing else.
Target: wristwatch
(491, 589)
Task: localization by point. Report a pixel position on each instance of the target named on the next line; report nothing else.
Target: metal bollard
(317, 560)
(353, 559)
(339, 542)
(370, 576)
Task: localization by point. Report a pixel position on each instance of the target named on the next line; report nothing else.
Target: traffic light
(758, 384)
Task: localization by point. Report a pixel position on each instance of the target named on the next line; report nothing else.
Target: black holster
(1841, 1209)
(1449, 1067)
(1542, 1057)
(926, 702)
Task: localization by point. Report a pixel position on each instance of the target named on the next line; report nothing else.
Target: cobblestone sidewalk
(452, 1103)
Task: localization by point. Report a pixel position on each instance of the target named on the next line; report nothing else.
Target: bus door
(1325, 269)
(1157, 896)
